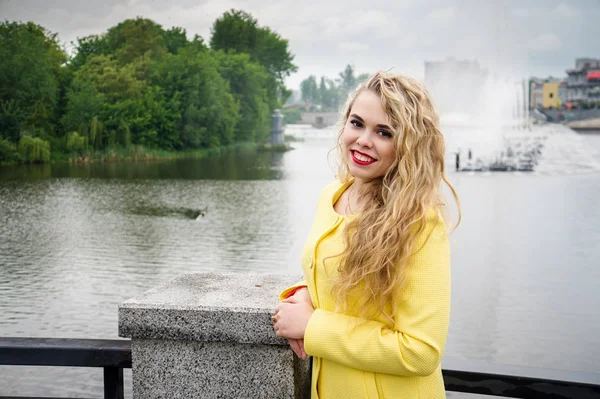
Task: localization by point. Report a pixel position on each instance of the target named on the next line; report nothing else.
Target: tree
(115, 82)
(84, 102)
(331, 94)
(30, 80)
(174, 39)
(309, 91)
(113, 95)
(129, 41)
(237, 31)
(135, 38)
(347, 79)
(34, 150)
(247, 81)
(87, 47)
(208, 111)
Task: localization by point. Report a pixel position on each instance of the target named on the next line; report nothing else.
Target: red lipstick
(358, 161)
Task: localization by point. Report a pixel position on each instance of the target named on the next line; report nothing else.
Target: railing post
(209, 335)
(113, 383)
(277, 127)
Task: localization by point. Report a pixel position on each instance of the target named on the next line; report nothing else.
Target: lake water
(75, 241)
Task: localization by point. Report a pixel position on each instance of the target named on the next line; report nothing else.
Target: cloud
(545, 42)
(325, 36)
(354, 47)
(439, 15)
(521, 12)
(567, 11)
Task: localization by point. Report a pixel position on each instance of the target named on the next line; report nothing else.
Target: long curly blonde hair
(380, 241)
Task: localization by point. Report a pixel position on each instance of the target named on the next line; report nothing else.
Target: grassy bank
(138, 153)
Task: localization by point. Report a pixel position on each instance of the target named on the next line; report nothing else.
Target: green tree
(238, 31)
(11, 116)
(114, 95)
(84, 102)
(87, 47)
(76, 143)
(135, 38)
(174, 39)
(34, 149)
(113, 81)
(309, 91)
(247, 81)
(208, 111)
(347, 79)
(8, 151)
(29, 78)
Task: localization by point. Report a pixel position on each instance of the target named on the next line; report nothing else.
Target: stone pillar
(277, 127)
(209, 335)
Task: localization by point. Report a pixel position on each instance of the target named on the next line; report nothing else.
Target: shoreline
(587, 131)
(138, 153)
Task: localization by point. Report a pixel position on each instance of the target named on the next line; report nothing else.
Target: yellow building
(550, 96)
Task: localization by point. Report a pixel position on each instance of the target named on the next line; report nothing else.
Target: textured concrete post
(209, 335)
(277, 127)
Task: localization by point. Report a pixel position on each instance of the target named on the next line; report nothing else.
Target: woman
(373, 310)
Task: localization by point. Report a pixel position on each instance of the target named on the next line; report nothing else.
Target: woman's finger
(295, 346)
(302, 351)
(291, 299)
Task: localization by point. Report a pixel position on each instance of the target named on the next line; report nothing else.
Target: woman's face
(367, 139)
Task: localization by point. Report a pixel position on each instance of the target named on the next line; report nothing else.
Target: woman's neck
(356, 200)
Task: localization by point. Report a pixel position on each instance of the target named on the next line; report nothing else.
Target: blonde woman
(374, 308)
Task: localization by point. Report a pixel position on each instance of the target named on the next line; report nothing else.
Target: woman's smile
(361, 158)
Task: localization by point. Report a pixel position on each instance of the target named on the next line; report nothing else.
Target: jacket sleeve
(286, 293)
(415, 344)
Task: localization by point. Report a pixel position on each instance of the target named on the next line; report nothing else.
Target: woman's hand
(302, 295)
(298, 347)
(291, 317)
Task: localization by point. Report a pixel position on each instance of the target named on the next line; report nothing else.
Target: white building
(583, 82)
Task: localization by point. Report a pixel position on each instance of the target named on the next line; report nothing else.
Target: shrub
(76, 143)
(8, 151)
(34, 150)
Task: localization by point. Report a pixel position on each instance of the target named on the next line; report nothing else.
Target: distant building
(319, 119)
(548, 92)
(536, 93)
(455, 85)
(554, 94)
(550, 97)
(583, 82)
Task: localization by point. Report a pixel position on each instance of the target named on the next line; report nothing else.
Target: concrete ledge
(209, 335)
(216, 370)
(210, 307)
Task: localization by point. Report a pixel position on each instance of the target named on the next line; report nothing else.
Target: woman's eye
(355, 123)
(385, 133)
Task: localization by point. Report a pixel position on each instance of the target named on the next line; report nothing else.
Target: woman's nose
(364, 140)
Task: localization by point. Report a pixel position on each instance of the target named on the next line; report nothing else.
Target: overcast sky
(526, 38)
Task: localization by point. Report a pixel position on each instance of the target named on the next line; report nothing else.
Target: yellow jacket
(358, 358)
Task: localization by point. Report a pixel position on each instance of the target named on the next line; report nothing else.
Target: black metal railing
(115, 355)
(514, 386)
(112, 355)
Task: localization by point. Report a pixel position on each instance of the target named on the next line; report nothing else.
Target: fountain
(483, 102)
(486, 120)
